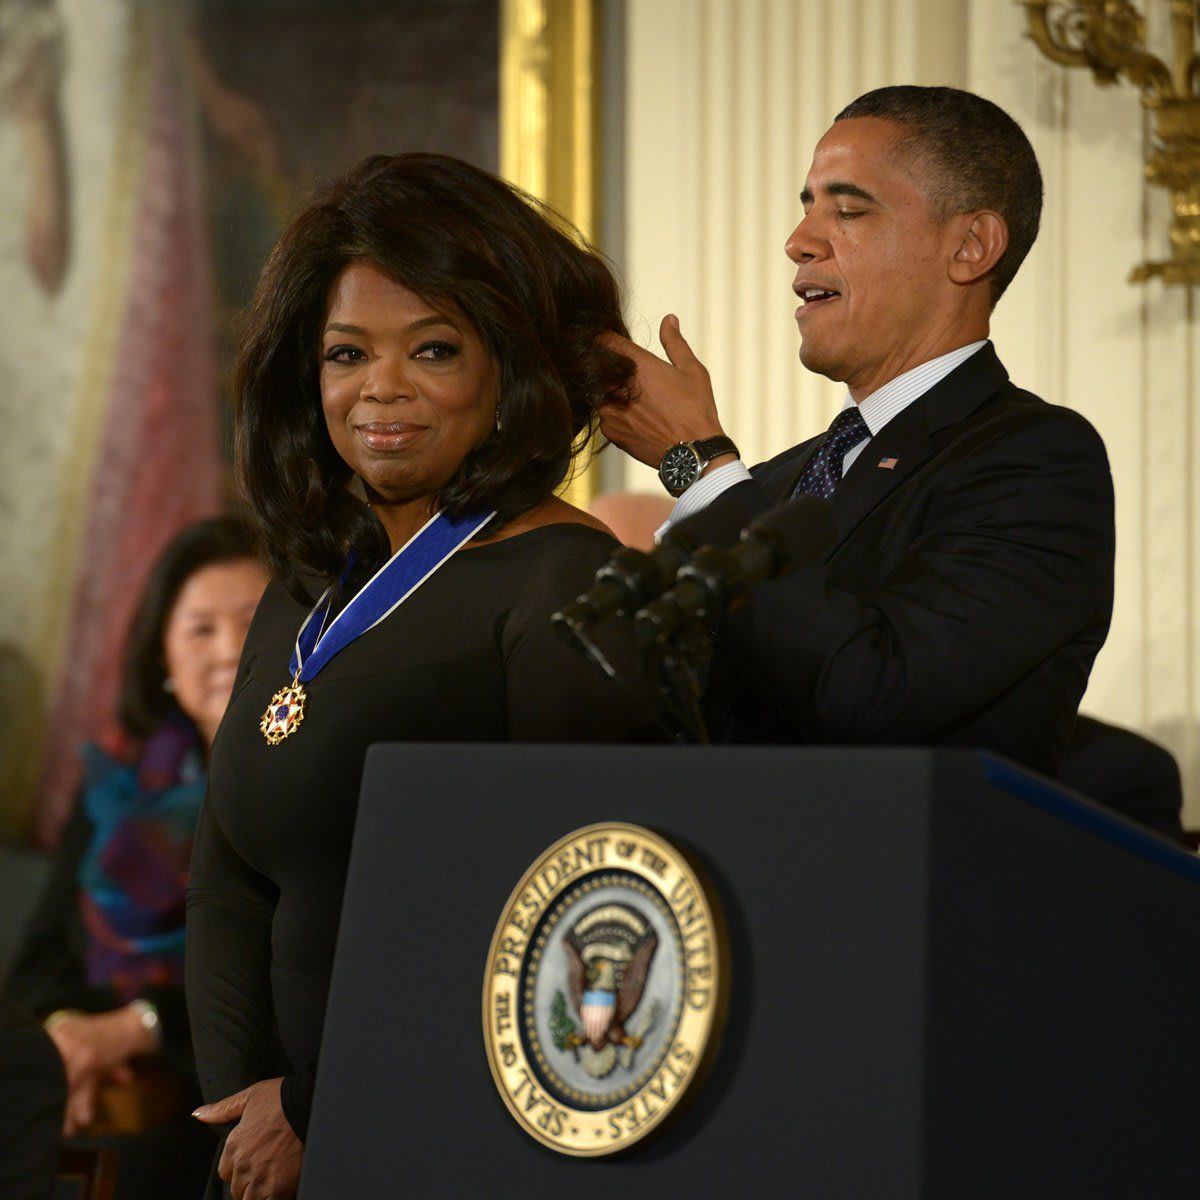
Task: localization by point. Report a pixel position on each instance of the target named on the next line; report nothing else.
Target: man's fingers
(222, 1111)
(622, 345)
(679, 353)
(675, 344)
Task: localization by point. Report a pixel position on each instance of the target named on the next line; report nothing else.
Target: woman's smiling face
(408, 390)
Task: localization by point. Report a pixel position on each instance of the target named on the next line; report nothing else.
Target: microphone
(632, 578)
(713, 578)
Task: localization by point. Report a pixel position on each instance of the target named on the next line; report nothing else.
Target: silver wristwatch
(683, 462)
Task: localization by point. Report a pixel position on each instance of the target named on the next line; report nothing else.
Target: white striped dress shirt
(877, 410)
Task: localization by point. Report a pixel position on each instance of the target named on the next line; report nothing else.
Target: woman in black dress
(422, 351)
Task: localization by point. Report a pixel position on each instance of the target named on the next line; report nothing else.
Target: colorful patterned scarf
(134, 874)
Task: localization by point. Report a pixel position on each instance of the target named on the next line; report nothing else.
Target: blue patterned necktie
(823, 472)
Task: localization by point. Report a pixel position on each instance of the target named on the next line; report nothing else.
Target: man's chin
(819, 360)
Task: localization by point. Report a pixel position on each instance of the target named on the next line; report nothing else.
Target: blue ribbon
(436, 541)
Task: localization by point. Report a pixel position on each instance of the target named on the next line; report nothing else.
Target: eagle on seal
(608, 959)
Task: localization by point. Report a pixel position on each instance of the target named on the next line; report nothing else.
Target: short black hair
(537, 295)
(977, 157)
(143, 703)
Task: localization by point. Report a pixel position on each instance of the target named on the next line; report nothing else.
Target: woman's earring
(168, 684)
(499, 422)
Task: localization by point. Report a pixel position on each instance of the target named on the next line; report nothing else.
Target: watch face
(679, 469)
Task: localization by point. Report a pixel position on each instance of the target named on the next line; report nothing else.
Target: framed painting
(151, 154)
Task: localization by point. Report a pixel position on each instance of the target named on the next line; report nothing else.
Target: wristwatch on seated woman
(683, 462)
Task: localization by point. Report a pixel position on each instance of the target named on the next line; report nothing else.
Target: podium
(948, 977)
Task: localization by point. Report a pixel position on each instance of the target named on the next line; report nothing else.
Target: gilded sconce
(1109, 38)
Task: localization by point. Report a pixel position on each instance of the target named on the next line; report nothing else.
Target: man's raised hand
(671, 401)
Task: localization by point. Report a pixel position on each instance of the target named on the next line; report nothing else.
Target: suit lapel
(905, 439)
(908, 439)
(785, 471)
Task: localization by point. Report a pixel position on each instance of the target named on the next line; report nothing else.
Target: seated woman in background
(420, 366)
(102, 960)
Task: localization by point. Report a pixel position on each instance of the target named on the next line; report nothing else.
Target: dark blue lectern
(949, 978)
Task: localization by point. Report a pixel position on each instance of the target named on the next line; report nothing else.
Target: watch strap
(714, 447)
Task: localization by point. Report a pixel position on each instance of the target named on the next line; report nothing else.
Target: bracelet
(148, 1015)
(56, 1018)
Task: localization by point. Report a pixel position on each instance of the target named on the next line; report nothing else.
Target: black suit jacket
(966, 593)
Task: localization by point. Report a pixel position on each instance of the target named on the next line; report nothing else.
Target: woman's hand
(95, 1049)
(262, 1156)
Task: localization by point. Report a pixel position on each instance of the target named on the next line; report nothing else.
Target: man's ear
(984, 239)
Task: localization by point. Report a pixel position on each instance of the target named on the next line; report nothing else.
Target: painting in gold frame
(187, 135)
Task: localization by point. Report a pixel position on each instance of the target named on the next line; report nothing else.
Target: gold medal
(427, 550)
(284, 713)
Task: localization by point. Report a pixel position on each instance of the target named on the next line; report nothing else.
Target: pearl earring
(168, 684)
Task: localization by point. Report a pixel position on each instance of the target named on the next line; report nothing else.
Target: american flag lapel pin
(888, 464)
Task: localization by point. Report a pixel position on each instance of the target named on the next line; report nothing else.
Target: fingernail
(674, 320)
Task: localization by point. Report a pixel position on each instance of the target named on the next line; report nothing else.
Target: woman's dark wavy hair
(143, 703)
(455, 235)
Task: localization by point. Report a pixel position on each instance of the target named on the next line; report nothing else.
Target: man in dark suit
(969, 586)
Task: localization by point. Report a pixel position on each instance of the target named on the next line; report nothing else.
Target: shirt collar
(897, 394)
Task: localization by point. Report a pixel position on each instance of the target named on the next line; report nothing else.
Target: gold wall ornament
(604, 991)
(549, 113)
(1109, 38)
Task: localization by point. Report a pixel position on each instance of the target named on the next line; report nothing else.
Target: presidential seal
(603, 989)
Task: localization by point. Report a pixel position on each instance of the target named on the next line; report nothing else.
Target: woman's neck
(401, 521)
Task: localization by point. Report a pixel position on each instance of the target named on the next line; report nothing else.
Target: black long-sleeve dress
(469, 657)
